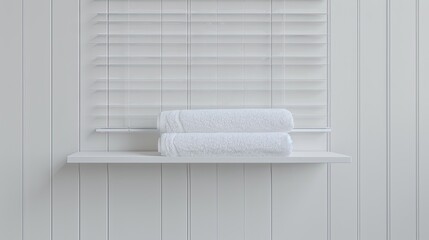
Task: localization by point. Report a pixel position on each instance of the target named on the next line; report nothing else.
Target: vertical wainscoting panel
(93, 202)
(342, 221)
(174, 202)
(231, 201)
(11, 120)
(299, 201)
(204, 201)
(257, 191)
(93, 178)
(37, 120)
(379, 117)
(423, 127)
(65, 119)
(372, 131)
(402, 119)
(134, 201)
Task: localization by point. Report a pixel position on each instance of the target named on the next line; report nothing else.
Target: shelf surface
(154, 157)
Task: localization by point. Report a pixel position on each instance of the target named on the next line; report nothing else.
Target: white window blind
(140, 57)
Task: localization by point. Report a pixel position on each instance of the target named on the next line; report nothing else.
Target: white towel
(224, 144)
(225, 120)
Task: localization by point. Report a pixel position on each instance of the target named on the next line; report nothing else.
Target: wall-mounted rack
(144, 60)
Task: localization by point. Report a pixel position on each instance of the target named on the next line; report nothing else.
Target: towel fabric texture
(225, 144)
(225, 120)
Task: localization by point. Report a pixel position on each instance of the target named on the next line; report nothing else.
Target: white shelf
(154, 157)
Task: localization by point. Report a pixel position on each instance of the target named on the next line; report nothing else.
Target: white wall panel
(257, 201)
(37, 128)
(375, 118)
(402, 107)
(231, 201)
(134, 201)
(65, 118)
(174, 202)
(93, 198)
(372, 120)
(204, 201)
(299, 201)
(11, 120)
(94, 212)
(342, 199)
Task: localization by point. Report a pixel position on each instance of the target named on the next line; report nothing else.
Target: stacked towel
(225, 120)
(225, 132)
(225, 144)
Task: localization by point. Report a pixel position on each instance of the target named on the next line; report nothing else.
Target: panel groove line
(161, 197)
(358, 127)
(271, 201)
(108, 87)
(423, 126)
(328, 110)
(22, 119)
(51, 118)
(244, 201)
(417, 99)
(189, 202)
(388, 116)
(108, 202)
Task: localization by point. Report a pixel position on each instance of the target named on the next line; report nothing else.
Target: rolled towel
(224, 144)
(225, 120)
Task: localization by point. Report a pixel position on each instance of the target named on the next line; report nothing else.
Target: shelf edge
(153, 157)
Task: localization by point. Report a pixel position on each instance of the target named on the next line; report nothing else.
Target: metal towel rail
(137, 130)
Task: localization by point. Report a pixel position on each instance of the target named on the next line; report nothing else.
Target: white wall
(380, 115)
